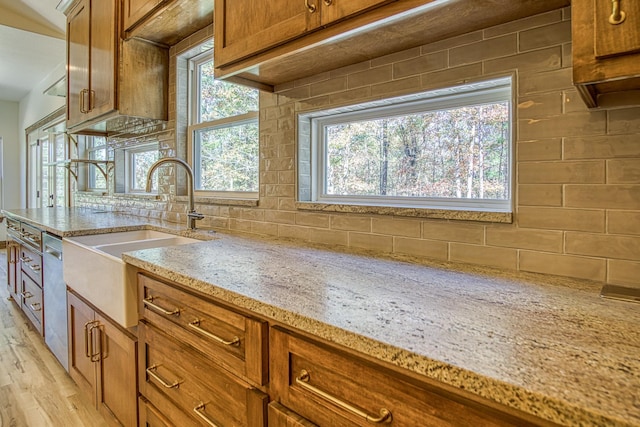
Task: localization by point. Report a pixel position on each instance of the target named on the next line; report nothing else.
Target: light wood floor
(35, 391)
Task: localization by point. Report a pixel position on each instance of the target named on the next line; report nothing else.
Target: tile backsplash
(577, 172)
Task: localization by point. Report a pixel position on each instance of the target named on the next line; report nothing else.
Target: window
(224, 133)
(138, 161)
(47, 177)
(96, 150)
(447, 149)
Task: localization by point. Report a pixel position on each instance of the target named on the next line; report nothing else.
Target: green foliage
(456, 153)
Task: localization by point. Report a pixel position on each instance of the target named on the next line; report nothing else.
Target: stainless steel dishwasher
(55, 299)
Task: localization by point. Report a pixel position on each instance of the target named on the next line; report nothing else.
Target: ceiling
(32, 44)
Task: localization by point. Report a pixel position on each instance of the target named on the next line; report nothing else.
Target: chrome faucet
(191, 214)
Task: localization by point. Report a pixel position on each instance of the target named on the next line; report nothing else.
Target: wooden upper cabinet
(135, 10)
(91, 57)
(246, 27)
(266, 44)
(110, 78)
(606, 52)
(334, 10)
(77, 62)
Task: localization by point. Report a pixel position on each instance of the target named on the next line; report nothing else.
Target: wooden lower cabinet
(102, 362)
(330, 387)
(190, 389)
(13, 269)
(150, 416)
(280, 416)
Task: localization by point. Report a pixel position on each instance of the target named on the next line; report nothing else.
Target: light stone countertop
(548, 346)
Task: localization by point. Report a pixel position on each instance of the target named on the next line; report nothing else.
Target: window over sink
(223, 133)
(443, 149)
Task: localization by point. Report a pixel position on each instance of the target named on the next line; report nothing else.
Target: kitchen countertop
(547, 346)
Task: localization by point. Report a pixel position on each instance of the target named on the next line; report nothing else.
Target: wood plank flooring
(35, 391)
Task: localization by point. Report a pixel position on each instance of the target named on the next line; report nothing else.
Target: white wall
(10, 166)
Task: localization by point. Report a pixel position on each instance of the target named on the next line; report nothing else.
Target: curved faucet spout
(191, 214)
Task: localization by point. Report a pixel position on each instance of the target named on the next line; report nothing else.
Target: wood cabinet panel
(32, 302)
(334, 10)
(359, 31)
(31, 264)
(109, 79)
(280, 416)
(246, 27)
(616, 39)
(197, 386)
(606, 57)
(78, 22)
(329, 387)
(236, 342)
(135, 10)
(103, 362)
(150, 416)
(116, 373)
(81, 368)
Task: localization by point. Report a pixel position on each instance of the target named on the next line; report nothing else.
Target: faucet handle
(195, 215)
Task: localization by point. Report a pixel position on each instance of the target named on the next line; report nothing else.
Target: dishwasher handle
(53, 251)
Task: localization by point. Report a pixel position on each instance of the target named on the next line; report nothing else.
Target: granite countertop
(69, 222)
(548, 346)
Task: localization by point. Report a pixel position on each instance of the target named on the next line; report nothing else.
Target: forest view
(454, 153)
(226, 153)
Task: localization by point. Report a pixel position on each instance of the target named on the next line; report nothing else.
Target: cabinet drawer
(150, 416)
(330, 387)
(279, 416)
(232, 340)
(31, 264)
(196, 386)
(32, 301)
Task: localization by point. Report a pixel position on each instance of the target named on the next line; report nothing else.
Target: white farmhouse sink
(93, 267)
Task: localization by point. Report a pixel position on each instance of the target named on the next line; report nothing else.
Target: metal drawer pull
(35, 268)
(310, 7)
(617, 16)
(196, 325)
(26, 294)
(155, 376)
(328, 2)
(26, 259)
(35, 307)
(88, 338)
(149, 302)
(199, 412)
(302, 381)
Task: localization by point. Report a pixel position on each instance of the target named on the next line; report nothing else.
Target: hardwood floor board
(35, 390)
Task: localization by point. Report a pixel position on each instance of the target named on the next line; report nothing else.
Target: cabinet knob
(310, 7)
(617, 16)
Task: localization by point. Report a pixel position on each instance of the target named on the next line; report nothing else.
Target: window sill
(459, 215)
(220, 201)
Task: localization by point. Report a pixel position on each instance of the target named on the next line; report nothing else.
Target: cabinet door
(334, 10)
(102, 74)
(246, 27)
(77, 63)
(135, 10)
(616, 39)
(81, 368)
(117, 381)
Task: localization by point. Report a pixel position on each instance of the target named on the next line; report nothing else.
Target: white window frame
(196, 126)
(91, 173)
(499, 90)
(130, 168)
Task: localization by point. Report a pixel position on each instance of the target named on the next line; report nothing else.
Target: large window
(446, 150)
(224, 133)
